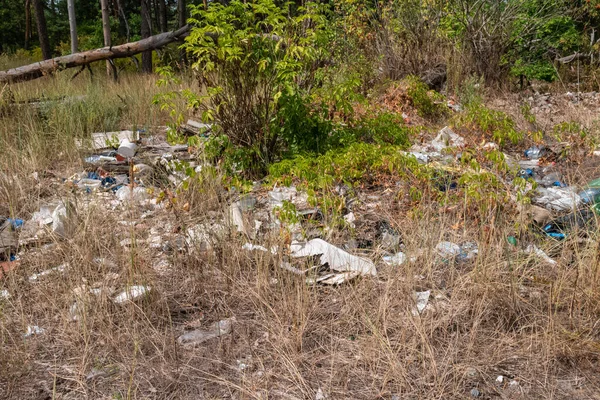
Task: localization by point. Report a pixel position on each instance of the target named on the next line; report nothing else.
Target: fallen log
(42, 68)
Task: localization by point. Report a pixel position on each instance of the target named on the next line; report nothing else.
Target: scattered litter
(198, 336)
(350, 219)
(236, 217)
(535, 152)
(60, 268)
(513, 383)
(63, 218)
(558, 199)
(89, 183)
(583, 219)
(456, 107)
(448, 249)
(250, 247)
(125, 193)
(423, 158)
(500, 379)
(127, 149)
(319, 395)
(4, 294)
(104, 140)
(132, 293)
(336, 258)
(475, 392)
(447, 138)
(533, 249)
(33, 330)
(421, 300)
(395, 260)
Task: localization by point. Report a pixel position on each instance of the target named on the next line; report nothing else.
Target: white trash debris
(422, 157)
(33, 330)
(533, 249)
(198, 336)
(447, 138)
(137, 194)
(350, 219)
(4, 294)
(558, 199)
(250, 247)
(91, 184)
(60, 268)
(278, 195)
(448, 249)
(500, 379)
(319, 395)
(338, 259)
(62, 217)
(127, 149)
(132, 293)
(421, 301)
(236, 217)
(395, 260)
(100, 140)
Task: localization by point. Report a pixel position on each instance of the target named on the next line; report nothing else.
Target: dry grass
(504, 313)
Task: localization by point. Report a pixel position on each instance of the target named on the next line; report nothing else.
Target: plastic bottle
(535, 152)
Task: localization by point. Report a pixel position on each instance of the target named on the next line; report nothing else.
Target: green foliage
(384, 128)
(250, 57)
(495, 123)
(429, 104)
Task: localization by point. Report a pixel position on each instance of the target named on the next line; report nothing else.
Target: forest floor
(102, 297)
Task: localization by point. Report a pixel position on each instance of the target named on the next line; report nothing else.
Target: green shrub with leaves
(429, 103)
(254, 61)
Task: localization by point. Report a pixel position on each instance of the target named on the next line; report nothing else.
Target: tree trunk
(39, 69)
(27, 23)
(122, 12)
(145, 31)
(162, 15)
(181, 12)
(106, 30)
(182, 17)
(42, 29)
(72, 25)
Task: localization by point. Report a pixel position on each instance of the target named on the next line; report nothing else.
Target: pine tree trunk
(145, 31)
(42, 29)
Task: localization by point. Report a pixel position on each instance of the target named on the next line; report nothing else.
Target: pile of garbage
(128, 168)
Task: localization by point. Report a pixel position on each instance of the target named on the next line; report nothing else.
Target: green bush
(253, 61)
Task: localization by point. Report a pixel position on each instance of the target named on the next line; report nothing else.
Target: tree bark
(181, 12)
(42, 29)
(162, 15)
(72, 25)
(39, 69)
(106, 30)
(27, 23)
(145, 31)
(182, 17)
